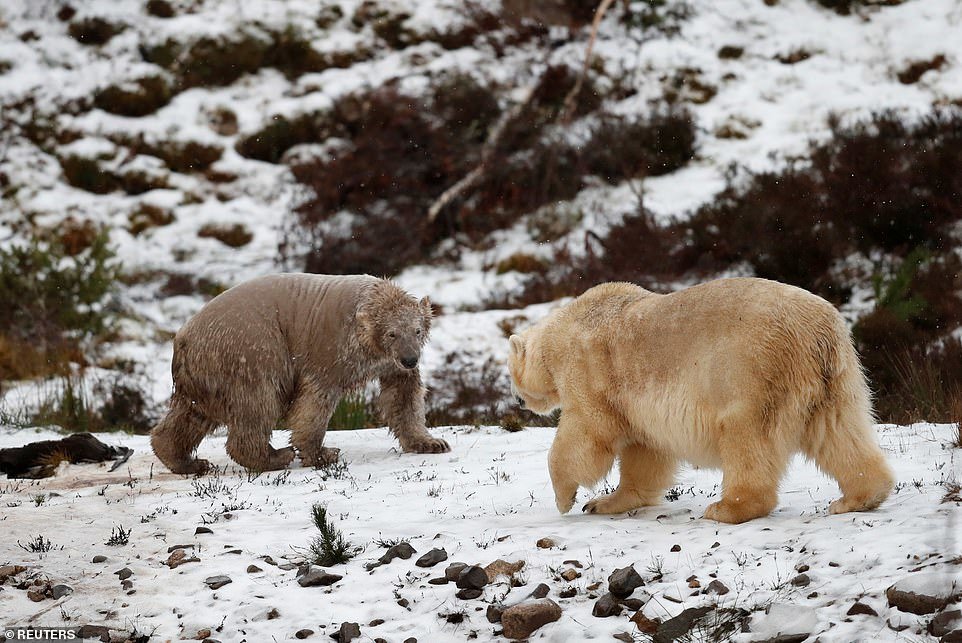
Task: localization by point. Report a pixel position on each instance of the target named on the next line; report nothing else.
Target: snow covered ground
(489, 499)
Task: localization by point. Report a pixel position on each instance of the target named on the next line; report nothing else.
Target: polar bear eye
(392, 334)
(417, 332)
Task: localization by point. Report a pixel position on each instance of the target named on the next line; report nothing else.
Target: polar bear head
(531, 383)
(393, 325)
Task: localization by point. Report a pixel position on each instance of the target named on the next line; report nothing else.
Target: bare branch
(568, 111)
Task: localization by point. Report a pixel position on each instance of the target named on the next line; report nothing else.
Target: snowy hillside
(489, 499)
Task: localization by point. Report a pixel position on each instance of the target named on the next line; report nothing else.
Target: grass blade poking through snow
(330, 547)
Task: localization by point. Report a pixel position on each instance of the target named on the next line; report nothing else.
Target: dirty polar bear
(738, 374)
(288, 347)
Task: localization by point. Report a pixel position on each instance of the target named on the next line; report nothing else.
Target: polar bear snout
(409, 362)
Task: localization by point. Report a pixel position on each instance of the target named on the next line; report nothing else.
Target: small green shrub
(330, 547)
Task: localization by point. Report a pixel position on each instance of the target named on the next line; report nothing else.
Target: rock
(540, 591)
(675, 548)
(468, 594)
(376, 622)
(494, 613)
(216, 582)
(545, 543)
(10, 570)
(716, 587)
(644, 624)
(801, 569)
(303, 569)
(954, 636)
(472, 577)
(924, 593)
(802, 580)
(286, 567)
(59, 591)
(36, 595)
(400, 550)
(502, 568)
(569, 592)
(179, 557)
(174, 548)
(570, 574)
(94, 633)
(574, 563)
(633, 604)
(272, 614)
(432, 558)
(622, 582)
(318, 577)
(678, 627)
(99, 559)
(451, 571)
(593, 586)
(203, 530)
(124, 573)
(606, 606)
(347, 632)
(942, 624)
(859, 607)
(127, 584)
(371, 566)
(694, 584)
(269, 560)
(440, 580)
(253, 569)
(520, 621)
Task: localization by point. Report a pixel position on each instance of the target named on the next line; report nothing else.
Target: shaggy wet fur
(288, 347)
(738, 374)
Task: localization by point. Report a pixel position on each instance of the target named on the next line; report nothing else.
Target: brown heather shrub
(235, 235)
(913, 72)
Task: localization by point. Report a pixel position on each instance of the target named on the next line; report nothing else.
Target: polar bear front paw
(602, 505)
(427, 445)
(322, 457)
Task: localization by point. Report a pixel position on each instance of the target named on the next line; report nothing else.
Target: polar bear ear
(517, 345)
(425, 305)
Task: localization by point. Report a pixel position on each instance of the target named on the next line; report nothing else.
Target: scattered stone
(11, 570)
(440, 580)
(269, 560)
(622, 582)
(801, 569)
(675, 548)
(833, 564)
(124, 573)
(468, 594)
(99, 559)
(593, 586)
(898, 625)
(451, 571)
(942, 624)
(303, 569)
(94, 633)
(540, 591)
(179, 557)
(859, 607)
(400, 550)
(694, 584)
(570, 574)
(203, 634)
(545, 543)
(203, 530)
(432, 558)
(288, 566)
(573, 563)
(715, 544)
(36, 595)
(59, 591)
(954, 636)
(403, 602)
(347, 632)
(678, 627)
(924, 593)
(254, 569)
(272, 614)
(503, 568)
(127, 584)
(644, 624)
(216, 582)
(174, 548)
(568, 592)
(633, 604)
(606, 606)
(520, 621)
(472, 577)
(318, 577)
(716, 587)
(494, 612)
(410, 640)
(376, 622)
(624, 636)
(455, 618)
(802, 580)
